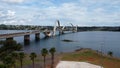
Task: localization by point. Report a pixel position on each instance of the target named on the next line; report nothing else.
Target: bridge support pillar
(8, 39)
(37, 36)
(27, 39)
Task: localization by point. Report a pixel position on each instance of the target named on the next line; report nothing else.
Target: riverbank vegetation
(11, 56)
(8, 47)
(1, 42)
(91, 56)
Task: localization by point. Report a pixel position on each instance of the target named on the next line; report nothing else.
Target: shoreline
(93, 57)
(82, 55)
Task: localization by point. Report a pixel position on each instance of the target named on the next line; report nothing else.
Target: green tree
(21, 57)
(14, 56)
(8, 62)
(8, 47)
(44, 53)
(52, 52)
(2, 66)
(110, 53)
(32, 57)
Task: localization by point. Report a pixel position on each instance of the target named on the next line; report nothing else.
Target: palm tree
(32, 57)
(52, 51)
(110, 53)
(21, 57)
(44, 52)
(14, 56)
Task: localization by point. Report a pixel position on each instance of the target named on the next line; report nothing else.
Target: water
(97, 40)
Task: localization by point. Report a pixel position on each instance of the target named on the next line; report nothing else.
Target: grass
(93, 57)
(84, 55)
(38, 61)
(27, 61)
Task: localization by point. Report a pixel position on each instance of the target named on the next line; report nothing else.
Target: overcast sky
(46, 12)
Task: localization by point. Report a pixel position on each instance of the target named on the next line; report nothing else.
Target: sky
(46, 12)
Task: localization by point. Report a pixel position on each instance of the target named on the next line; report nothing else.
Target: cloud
(10, 17)
(45, 12)
(10, 13)
(72, 12)
(7, 15)
(13, 1)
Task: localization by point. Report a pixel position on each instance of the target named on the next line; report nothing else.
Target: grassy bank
(91, 56)
(82, 55)
(27, 63)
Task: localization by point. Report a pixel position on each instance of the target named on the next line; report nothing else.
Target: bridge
(26, 35)
(10, 36)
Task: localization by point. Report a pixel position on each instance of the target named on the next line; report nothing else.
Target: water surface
(97, 40)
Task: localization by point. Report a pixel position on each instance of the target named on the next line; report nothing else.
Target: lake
(97, 40)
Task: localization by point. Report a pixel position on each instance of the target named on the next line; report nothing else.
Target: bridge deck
(3, 36)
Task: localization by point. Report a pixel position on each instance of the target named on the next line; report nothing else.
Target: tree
(8, 47)
(14, 56)
(21, 57)
(44, 52)
(110, 53)
(2, 66)
(52, 51)
(8, 62)
(32, 57)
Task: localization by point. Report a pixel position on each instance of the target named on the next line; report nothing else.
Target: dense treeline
(99, 28)
(32, 27)
(18, 27)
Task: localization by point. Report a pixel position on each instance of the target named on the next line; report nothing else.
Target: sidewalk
(73, 64)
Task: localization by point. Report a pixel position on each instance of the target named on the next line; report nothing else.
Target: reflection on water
(110, 41)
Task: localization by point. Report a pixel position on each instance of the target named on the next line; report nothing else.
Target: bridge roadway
(26, 35)
(11, 35)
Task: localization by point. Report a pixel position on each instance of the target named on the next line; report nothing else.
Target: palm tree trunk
(21, 63)
(5, 65)
(33, 63)
(52, 64)
(14, 65)
(44, 62)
